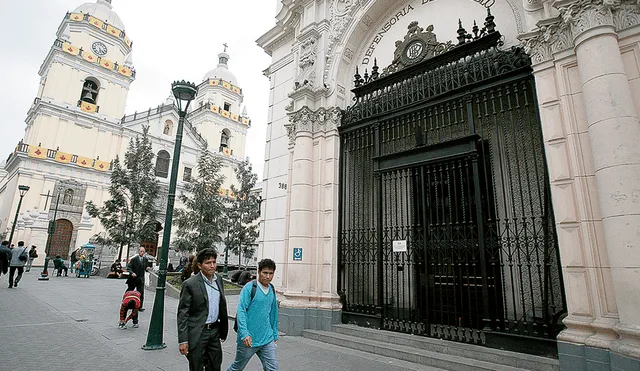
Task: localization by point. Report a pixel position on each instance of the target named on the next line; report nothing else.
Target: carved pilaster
(322, 120)
(577, 16)
(306, 63)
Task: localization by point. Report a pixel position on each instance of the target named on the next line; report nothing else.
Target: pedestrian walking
(202, 315)
(5, 256)
(257, 321)
(33, 254)
(19, 257)
(130, 301)
(138, 265)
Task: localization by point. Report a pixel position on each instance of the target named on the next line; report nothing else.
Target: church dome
(101, 9)
(222, 71)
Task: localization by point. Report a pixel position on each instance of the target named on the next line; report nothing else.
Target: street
(70, 323)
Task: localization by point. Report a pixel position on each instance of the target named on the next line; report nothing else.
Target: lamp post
(184, 92)
(44, 276)
(225, 270)
(126, 227)
(23, 189)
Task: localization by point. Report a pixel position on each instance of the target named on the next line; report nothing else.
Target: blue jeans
(266, 353)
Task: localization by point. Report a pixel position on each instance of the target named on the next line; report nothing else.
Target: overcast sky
(172, 40)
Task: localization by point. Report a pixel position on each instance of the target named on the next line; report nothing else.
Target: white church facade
(438, 168)
(77, 126)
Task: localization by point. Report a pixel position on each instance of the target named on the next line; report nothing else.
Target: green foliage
(130, 214)
(242, 213)
(201, 222)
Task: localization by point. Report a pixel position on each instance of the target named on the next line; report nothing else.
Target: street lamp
(184, 92)
(23, 189)
(51, 230)
(126, 227)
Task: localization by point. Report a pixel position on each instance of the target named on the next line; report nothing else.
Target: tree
(129, 216)
(200, 223)
(242, 212)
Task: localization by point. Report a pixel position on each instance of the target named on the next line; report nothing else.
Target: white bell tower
(85, 80)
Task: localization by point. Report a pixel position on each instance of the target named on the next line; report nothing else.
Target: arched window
(224, 138)
(168, 126)
(68, 197)
(162, 164)
(90, 90)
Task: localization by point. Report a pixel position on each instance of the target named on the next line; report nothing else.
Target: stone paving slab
(70, 323)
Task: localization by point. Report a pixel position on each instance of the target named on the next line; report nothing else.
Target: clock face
(99, 48)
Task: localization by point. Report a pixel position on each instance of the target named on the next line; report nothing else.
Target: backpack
(23, 255)
(254, 287)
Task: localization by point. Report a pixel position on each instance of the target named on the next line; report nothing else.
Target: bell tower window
(90, 90)
(224, 139)
(227, 106)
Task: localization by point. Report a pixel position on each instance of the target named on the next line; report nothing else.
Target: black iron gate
(446, 225)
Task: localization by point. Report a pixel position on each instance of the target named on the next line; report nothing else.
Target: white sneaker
(135, 325)
(122, 326)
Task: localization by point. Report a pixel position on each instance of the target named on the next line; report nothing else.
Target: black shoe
(141, 310)
(10, 287)
(15, 284)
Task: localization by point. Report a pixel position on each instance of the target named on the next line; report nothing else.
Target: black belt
(210, 326)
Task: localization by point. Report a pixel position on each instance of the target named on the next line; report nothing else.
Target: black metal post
(15, 220)
(44, 276)
(23, 191)
(183, 92)
(124, 230)
(225, 270)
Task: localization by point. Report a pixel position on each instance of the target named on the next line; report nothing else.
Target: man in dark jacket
(202, 315)
(137, 266)
(5, 256)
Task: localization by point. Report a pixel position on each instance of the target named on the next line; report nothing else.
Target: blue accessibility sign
(297, 253)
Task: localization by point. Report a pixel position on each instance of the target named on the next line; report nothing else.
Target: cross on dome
(222, 70)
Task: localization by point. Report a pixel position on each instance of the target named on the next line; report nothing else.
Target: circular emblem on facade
(414, 50)
(99, 48)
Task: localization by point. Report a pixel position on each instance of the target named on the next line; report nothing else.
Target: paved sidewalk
(70, 323)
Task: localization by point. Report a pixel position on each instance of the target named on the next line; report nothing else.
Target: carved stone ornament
(576, 17)
(308, 54)
(416, 46)
(340, 16)
(320, 121)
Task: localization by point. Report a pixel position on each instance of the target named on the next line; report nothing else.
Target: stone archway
(61, 238)
(363, 32)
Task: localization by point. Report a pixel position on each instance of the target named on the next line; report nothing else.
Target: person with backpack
(19, 257)
(257, 321)
(33, 254)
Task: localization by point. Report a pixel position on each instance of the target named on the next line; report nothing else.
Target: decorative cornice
(322, 120)
(576, 17)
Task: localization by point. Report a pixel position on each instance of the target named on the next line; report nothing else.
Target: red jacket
(131, 295)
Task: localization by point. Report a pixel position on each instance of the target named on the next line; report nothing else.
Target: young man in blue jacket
(257, 319)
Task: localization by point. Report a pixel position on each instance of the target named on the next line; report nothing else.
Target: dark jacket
(138, 265)
(193, 310)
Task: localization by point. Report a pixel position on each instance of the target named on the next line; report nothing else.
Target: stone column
(614, 131)
(310, 299)
(297, 293)
(84, 230)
